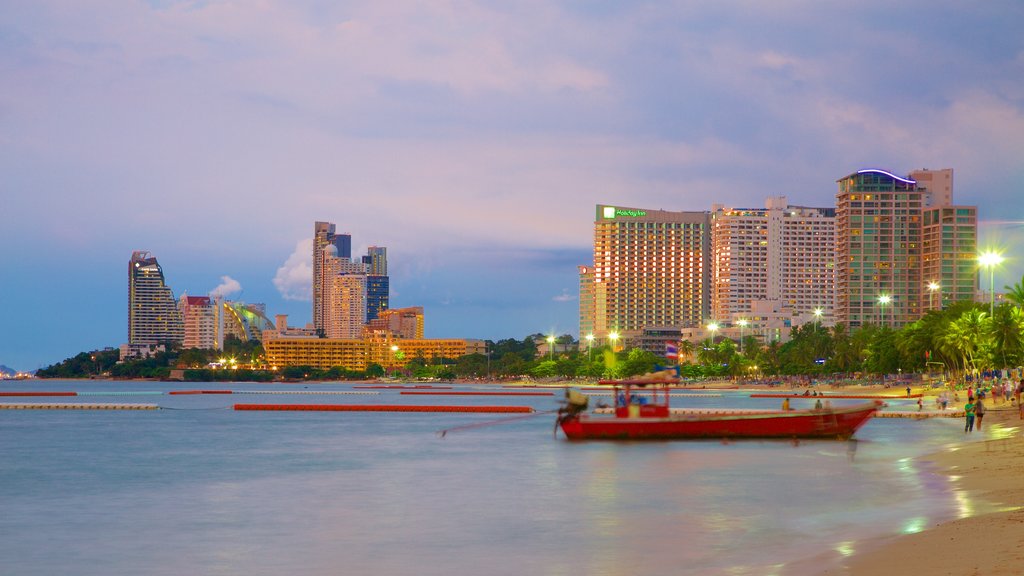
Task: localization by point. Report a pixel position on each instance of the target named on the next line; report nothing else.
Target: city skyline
(473, 141)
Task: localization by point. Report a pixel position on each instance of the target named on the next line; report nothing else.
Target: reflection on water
(223, 492)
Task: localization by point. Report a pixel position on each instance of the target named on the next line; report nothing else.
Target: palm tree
(1015, 293)
(966, 336)
(1008, 333)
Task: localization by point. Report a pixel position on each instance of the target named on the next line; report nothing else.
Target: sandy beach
(990, 472)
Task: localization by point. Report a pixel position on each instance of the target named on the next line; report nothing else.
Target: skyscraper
(949, 242)
(153, 315)
(377, 283)
(781, 253)
(340, 246)
(650, 271)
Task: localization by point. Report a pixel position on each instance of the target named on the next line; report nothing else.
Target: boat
(642, 412)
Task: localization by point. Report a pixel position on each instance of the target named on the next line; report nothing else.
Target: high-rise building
(949, 241)
(201, 317)
(779, 253)
(650, 271)
(153, 315)
(326, 244)
(378, 288)
(586, 306)
(896, 237)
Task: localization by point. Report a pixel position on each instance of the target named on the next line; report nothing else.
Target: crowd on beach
(1001, 391)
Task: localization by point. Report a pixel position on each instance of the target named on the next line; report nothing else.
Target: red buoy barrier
(38, 393)
(402, 387)
(468, 393)
(858, 396)
(380, 408)
(200, 392)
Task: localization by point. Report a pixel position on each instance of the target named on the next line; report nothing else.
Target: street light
(932, 287)
(394, 356)
(883, 301)
(551, 347)
(614, 337)
(713, 327)
(817, 317)
(743, 324)
(590, 345)
(990, 260)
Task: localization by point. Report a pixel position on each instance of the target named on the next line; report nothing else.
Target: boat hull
(840, 423)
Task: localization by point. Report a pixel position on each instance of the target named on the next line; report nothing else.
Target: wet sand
(990, 471)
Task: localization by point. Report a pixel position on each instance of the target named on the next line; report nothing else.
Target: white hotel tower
(773, 261)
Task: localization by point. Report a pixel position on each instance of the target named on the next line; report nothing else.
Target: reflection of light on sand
(846, 548)
(964, 505)
(914, 525)
(1002, 432)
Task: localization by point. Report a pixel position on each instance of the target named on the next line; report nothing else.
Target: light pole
(932, 287)
(883, 301)
(551, 347)
(590, 346)
(817, 317)
(394, 357)
(713, 328)
(743, 324)
(990, 260)
(614, 337)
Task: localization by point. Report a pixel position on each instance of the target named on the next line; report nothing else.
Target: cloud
(228, 285)
(564, 296)
(294, 279)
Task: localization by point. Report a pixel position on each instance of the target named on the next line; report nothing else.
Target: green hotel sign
(610, 212)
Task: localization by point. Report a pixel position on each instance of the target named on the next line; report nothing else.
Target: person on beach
(785, 404)
(979, 411)
(969, 413)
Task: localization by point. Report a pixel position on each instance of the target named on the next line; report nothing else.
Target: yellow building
(325, 353)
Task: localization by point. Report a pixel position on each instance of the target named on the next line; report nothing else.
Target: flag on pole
(671, 351)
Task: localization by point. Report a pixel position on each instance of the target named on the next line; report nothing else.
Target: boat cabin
(641, 401)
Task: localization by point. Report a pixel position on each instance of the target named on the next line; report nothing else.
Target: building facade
(327, 245)
(153, 315)
(650, 271)
(378, 288)
(201, 317)
(779, 253)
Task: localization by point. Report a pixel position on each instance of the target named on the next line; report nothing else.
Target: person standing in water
(969, 414)
(979, 410)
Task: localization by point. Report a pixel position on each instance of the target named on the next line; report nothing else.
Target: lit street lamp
(932, 287)
(990, 260)
(713, 327)
(551, 347)
(614, 337)
(883, 301)
(743, 324)
(590, 345)
(394, 356)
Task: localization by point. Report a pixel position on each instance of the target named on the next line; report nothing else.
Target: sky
(472, 139)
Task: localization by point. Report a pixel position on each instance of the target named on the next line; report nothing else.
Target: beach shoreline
(989, 474)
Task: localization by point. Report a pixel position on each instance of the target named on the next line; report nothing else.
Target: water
(203, 489)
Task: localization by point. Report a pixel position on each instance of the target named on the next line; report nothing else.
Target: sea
(200, 488)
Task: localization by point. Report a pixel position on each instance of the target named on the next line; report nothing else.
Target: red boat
(645, 415)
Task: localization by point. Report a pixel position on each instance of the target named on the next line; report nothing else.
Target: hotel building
(650, 271)
(894, 237)
(326, 244)
(780, 253)
(201, 316)
(949, 242)
(153, 315)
